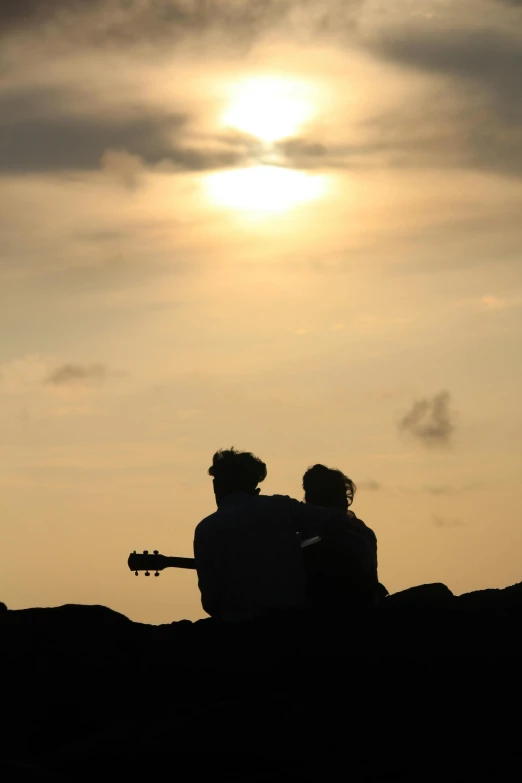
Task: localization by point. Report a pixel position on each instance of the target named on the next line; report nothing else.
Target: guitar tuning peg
(147, 573)
(135, 573)
(145, 551)
(157, 573)
(134, 552)
(156, 552)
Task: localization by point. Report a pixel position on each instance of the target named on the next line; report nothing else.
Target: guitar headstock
(147, 562)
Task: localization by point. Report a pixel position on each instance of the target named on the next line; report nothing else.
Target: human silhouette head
(236, 471)
(328, 487)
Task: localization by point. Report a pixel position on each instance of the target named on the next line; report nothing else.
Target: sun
(269, 107)
(264, 188)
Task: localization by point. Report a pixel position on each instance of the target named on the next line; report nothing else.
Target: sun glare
(264, 188)
(269, 108)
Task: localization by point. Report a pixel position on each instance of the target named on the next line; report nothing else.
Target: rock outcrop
(427, 687)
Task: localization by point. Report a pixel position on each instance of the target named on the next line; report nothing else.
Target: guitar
(155, 562)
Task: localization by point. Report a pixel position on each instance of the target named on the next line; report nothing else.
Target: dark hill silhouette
(427, 687)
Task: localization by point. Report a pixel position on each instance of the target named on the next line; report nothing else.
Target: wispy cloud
(135, 21)
(369, 485)
(441, 489)
(68, 374)
(430, 420)
(447, 522)
(124, 168)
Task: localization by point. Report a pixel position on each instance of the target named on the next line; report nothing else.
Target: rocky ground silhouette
(426, 688)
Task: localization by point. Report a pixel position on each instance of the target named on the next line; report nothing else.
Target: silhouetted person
(335, 579)
(248, 553)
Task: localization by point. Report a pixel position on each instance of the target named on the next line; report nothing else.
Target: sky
(288, 226)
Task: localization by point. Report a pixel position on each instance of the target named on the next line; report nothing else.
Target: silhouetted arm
(344, 531)
(309, 520)
(207, 582)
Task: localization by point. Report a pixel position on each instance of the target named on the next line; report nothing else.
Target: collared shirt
(248, 553)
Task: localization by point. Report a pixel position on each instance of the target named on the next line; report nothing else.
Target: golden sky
(292, 227)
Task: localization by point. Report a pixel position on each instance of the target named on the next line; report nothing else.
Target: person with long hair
(336, 579)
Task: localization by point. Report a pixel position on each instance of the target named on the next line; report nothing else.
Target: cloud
(20, 13)
(370, 485)
(449, 489)
(430, 421)
(447, 522)
(471, 121)
(68, 374)
(471, 115)
(60, 140)
(57, 141)
(123, 167)
(123, 22)
(441, 489)
(489, 59)
(58, 129)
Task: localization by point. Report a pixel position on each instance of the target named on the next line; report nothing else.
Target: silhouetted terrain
(427, 688)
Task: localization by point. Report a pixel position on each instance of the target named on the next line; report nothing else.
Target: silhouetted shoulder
(362, 527)
(277, 499)
(207, 524)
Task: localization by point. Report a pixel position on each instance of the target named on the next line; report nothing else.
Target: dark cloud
(447, 522)
(488, 59)
(430, 420)
(37, 134)
(20, 13)
(132, 21)
(77, 373)
(474, 119)
(40, 131)
(43, 130)
(441, 489)
(440, 131)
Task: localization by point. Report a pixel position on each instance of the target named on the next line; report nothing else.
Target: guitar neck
(155, 562)
(180, 562)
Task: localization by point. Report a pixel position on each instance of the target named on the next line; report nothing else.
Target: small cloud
(447, 522)
(441, 489)
(370, 485)
(429, 420)
(301, 331)
(77, 373)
